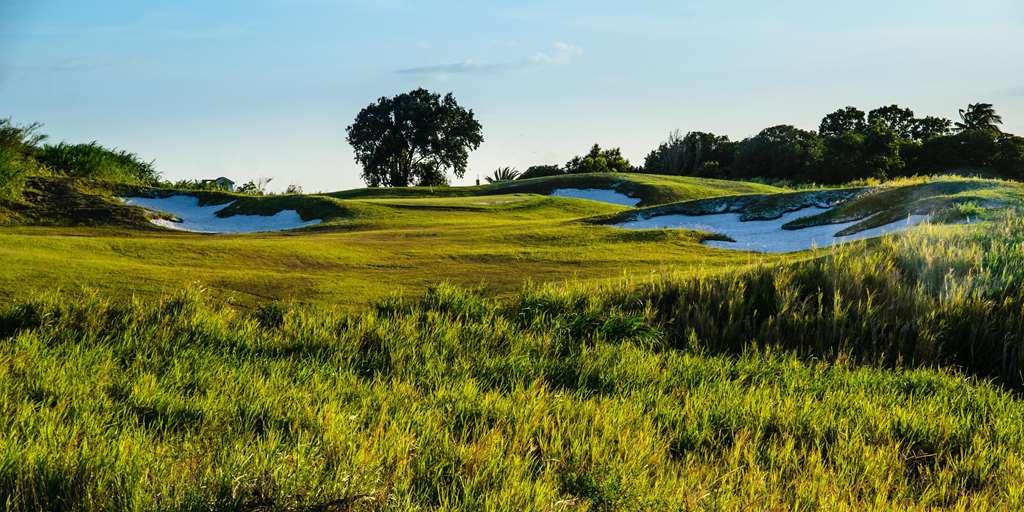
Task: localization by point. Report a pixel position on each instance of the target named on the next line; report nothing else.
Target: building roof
(222, 178)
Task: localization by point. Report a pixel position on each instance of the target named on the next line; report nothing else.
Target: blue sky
(247, 89)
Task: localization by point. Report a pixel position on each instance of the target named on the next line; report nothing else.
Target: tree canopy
(695, 154)
(413, 138)
(599, 160)
(889, 141)
(540, 171)
(930, 127)
(842, 121)
(780, 152)
(898, 120)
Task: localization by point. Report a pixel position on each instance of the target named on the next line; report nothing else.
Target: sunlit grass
(837, 382)
(384, 246)
(558, 365)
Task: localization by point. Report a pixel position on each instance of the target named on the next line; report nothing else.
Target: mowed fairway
(390, 245)
(378, 242)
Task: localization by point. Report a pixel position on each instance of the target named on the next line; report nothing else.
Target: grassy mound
(720, 391)
(651, 189)
(47, 201)
(947, 199)
(363, 208)
(371, 247)
(944, 197)
(379, 251)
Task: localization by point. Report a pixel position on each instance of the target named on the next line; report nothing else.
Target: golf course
(504, 347)
(554, 256)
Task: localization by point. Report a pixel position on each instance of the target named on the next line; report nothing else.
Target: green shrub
(541, 171)
(95, 161)
(599, 160)
(502, 174)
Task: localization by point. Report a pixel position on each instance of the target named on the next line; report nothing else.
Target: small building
(221, 183)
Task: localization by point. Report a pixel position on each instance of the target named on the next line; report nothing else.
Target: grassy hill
(948, 199)
(537, 357)
(408, 238)
(498, 241)
(651, 189)
(382, 249)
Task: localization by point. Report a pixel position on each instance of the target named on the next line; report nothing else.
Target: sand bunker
(203, 219)
(768, 235)
(596, 194)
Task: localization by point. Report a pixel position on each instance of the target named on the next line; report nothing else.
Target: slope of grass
(651, 189)
(47, 201)
(717, 391)
(749, 206)
(942, 197)
(338, 206)
(896, 201)
(382, 248)
(372, 247)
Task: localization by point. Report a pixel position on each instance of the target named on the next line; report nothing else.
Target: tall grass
(13, 172)
(770, 388)
(927, 299)
(95, 161)
(18, 146)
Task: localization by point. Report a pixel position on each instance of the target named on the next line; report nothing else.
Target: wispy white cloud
(213, 32)
(70, 65)
(458, 68)
(562, 53)
(559, 54)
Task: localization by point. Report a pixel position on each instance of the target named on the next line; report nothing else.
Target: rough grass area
(841, 382)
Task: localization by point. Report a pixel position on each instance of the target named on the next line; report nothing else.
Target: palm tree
(979, 116)
(502, 174)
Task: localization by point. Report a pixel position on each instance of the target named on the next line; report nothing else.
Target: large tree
(841, 121)
(929, 127)
(780, 152)
(896, 119)
(413, 138)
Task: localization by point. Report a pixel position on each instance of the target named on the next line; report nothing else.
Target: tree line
(850, 144)
(417, 138)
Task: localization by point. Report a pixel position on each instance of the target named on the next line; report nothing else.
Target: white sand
(596, 194)
(203, 219)
(768, 235)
